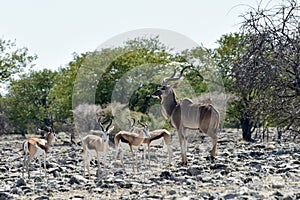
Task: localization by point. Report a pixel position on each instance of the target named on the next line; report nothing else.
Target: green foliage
(129, 77)
(62, 91)
(12, 59)
(28, 99)
(229, 50)
(111, 77)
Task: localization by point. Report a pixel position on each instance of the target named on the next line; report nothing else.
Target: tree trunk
(246, 128)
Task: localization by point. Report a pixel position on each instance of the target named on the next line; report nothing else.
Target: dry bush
(85, 117)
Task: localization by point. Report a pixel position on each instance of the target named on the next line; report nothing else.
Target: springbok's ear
(111, 129)
(175, 85)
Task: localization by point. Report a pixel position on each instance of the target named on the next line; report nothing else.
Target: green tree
(241, 111)
(62, 91)
(12, 59)
(137, 71)
(28, 101)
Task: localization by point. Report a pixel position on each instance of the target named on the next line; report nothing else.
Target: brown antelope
(187, 115)
(154, 136)
(132, 139)
(37, 147)
(94, 145)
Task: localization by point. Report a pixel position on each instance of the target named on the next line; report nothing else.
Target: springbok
(187, 115)
(37, 147)
(154, 137)
(93, 145)
(132, 139)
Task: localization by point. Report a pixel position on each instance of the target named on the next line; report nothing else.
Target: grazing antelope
(132, 139)
(154, 136)
(94, 145)
(37, 147)
(187, 115)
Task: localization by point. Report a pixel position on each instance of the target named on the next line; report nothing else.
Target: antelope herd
(182, 115)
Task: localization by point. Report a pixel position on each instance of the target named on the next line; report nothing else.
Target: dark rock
(42, 198)
(20, 182)
(99, 183)
(194, 171)
(5, 196)
(218, 166)
(256, 153)
(98, 190)
(247, 180)
(125, 185)
(63, 189)
(278, 194)
(172, 192)
(78, 196)
(73, 180)
(3, 169)
(134, 192)
(166, 175)
(231, 196)
(38, 179)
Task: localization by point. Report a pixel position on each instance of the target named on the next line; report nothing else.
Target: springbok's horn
(110, 122)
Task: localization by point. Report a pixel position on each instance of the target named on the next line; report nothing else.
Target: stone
(42, 198)
(194, 171)
(20, 182)
(172, 192)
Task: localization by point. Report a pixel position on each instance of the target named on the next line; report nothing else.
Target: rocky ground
(258, 170)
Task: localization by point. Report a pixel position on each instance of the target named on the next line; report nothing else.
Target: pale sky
(54, 29)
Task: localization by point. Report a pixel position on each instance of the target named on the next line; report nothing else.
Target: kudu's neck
(169, 103)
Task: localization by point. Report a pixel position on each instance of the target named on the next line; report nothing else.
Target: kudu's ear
(175, 85)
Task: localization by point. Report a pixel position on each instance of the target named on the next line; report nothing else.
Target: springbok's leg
(39, 158)
(98, 163)
(133, 158)
(27, 164)
(116, 156)
(88, 160)
(84, 163)
(144, 152)
(45, 164)
(24, 164)
(122, 155)
(149, 154)
(105, 161)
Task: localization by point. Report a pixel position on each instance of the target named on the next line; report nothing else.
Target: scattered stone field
(241, 170)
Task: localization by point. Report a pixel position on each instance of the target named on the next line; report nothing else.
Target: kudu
(187, 115)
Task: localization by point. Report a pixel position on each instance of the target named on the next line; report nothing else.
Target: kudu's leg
(213, 133)
(183, 145)
(170, 154)
(214, 149)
